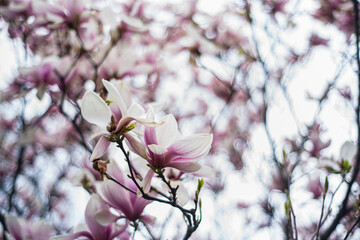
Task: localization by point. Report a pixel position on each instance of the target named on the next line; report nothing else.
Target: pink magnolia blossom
(100, 222)
(20, 229)
(113, 118)
(165, 147)
(120, 198)
(315, 187)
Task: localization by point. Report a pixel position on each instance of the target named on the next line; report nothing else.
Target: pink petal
(41, 230)
(148, 220)
(14, 226)
(95, 205)
(147, 181)
(150, 136)
(73, 236)
(116, 196)
(100, 149)
(135, 145)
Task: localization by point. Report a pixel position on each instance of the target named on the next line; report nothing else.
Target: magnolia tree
(175, 119)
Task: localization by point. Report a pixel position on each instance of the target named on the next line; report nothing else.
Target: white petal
(168, 132)
(205, 171)
(114, 95)
(136, 110)
(157, 149)
(189, 167)
(348, 151)
(192, 147)
(104, 217)
(146, 184)
(124, 90)
(108, 17)
(95, 110)
(181, 194)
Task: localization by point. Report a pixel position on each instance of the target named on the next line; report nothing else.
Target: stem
(352, 228)
(344, 210)
(189, 214)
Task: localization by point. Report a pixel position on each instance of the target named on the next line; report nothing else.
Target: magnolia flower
(348, 151)
(112, 118)
(100, 222)
(120, 198)
(20, 229)
(165, 147)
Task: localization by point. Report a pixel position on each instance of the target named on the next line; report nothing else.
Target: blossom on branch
(100, 223)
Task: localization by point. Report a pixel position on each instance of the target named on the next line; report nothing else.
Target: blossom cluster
(234, 71)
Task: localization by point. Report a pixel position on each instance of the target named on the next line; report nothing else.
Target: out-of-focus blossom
(316, 40)
(275, 6)
(348, 151)
(100, 223)
(20, 229)
(315, 187)
(346, 93)
(317, 144)
(121, 199)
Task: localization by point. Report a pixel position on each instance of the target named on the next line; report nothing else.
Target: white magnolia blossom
(348, 151)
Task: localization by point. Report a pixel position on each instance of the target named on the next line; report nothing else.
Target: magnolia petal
(100, 148)
(148, 220)
(205, 171)
(192, 147)
(121, 230)
(95, 205)
(108, 17)
(114, 95)
(348, 151)
(125, 121)
(95, 110)
(116, 196)
(185, 166)
(136, 110)
(124, 90)
(147, 181)
(168, 131)
(41, 230)
(104, 217)
(157, 149)
(136, 146)
(73, 236)
(182, 195)
(14, 226)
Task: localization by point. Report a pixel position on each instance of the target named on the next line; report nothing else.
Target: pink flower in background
(100, 223)
(121, 199)
(20, 229)
(318, 144)
(315, 187)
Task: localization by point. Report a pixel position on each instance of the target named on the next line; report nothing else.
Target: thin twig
(343, 209)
